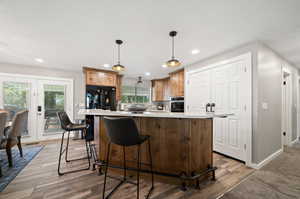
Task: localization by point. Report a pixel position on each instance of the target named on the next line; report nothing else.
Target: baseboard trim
(293, 142)
(267, 160)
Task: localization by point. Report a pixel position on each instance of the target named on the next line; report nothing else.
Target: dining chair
(3, 118)
(14, 133)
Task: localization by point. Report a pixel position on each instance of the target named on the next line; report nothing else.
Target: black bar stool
(124, 132)
(68, 126)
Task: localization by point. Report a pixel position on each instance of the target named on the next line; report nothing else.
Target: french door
(42, 97)
(228, 86)
(53, 96)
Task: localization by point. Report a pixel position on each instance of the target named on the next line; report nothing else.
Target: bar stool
(68, 126)
(124, 132)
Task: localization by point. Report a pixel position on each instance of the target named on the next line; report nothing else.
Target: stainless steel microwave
(177, 104)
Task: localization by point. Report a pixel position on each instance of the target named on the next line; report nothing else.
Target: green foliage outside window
(142, 95)
(15, 97)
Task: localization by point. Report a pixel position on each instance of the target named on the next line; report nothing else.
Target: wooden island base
(181, 148)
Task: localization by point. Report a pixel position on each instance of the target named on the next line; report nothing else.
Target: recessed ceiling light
(147, 74)
(164, 66)
(106, 65)
(195, 51)
(39, 60)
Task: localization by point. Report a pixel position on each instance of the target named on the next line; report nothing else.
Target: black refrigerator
(98, 97)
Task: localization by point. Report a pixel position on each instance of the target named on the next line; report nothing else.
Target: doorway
(42, 97)
(286, 108)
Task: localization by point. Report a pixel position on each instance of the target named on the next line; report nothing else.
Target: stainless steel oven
(177, 104)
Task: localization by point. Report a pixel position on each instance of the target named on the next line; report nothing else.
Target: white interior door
(17, 94)
(53, 96)
(228, 132)
(199, 92)
(220, 94)
(228, 86)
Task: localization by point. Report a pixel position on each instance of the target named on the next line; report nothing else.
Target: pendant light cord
(173, 48)
(119, 54)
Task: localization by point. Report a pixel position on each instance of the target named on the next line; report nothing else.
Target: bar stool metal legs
(124, 170)
(65, 150)
(151, 169)
(138, 172)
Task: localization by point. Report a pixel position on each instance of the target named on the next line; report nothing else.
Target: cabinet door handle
(212, 106)
(206, 107)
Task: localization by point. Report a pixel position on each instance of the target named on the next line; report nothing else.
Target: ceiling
(69, 34)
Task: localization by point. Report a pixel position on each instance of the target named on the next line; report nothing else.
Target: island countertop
(99, 112)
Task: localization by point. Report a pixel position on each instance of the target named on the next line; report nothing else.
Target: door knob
(206, 107)
(212, 107)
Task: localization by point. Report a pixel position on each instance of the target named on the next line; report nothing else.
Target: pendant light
(173, 62)
(118, 67)
(139, 80)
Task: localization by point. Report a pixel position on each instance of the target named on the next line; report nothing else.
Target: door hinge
(245, 69)
(245, 146)
(245, 108)
(188, 107)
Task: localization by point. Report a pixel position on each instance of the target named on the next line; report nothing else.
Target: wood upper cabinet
(160, 89)
(100, 78)
(118, 87)
(177, 83)
(157, 90)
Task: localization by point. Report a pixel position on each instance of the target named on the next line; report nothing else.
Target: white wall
(78, 77)
(268, 121)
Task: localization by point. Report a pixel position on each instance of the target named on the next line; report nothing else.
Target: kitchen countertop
(99, 112)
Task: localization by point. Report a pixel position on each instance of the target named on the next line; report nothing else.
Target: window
(142, 94)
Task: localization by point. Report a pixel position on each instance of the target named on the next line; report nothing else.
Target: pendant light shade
(173, 62)
(118, 67)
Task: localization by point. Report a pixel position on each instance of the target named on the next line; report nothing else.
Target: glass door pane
(54, 101)
(16, 97)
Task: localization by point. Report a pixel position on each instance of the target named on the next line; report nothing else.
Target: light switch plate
(264, 105)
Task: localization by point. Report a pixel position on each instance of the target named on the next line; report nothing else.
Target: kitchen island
(181, 144)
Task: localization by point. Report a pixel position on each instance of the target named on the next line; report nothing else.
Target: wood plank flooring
(40, 180)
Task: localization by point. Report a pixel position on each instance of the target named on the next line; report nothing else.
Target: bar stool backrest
(64, 119)
(122, 131)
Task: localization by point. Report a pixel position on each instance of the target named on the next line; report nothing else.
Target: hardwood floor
(40, 180)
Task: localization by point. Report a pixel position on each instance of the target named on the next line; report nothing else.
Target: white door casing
(230, 88)
(286, 107)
